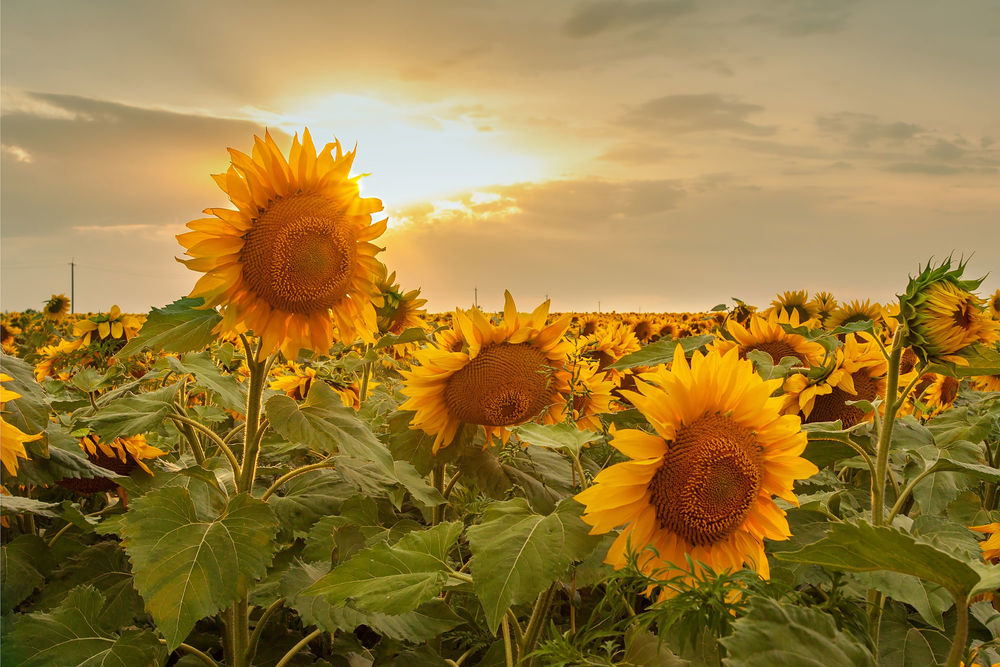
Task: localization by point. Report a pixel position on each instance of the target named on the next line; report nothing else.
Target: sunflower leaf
(207, 373)
(70, 635)
(190, 562)
(324, 423)
(661, 352)
(182, 326)
(23, 566)
(411, 335)
(556, 436)
(861, 547)
(22, 505)
(30, 412)
(979, 360)
(393, 579)
(516, 553)
(133, 415)
(425, 622)
(775, 633)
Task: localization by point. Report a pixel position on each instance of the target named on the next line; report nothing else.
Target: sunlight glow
(413, 153)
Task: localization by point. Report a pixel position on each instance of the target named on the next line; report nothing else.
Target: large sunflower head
(295, 258)
(766, 334)
(702, 484)
(942, 314)
(504, 374)
(56, 308)
(796, 301)
(858, 374)
(995, 305)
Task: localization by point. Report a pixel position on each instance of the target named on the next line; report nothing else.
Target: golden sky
(644, 154)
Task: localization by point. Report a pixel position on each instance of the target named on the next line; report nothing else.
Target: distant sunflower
(53, 357)
(942, 314)
(940, 394)
(12, 438)
(823, 304)
(995, 305)
(113, 324)
(855, 311)
(122, 456)
(765, 334)
(796, 301)
(56, 308)
(591, 395)
(295, 384)
(990, 546)
(399, 310)
(858, 374)
(609, 343)
(986, 382)
(504, 375)
(644, 330)
(702, 485)
(295, 259)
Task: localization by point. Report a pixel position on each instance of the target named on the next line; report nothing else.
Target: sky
(653, 155)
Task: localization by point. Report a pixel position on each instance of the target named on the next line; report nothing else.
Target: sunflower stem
(325, 463)
(298, 647)
(259, 628)
(533, 630)
(251, 435)
(892, 403)
(508, 649)
(366, 371)
(957, 651)
(438, 479)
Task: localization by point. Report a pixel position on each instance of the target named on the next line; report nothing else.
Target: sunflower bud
(942, 315)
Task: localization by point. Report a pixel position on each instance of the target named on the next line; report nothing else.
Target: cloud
(635, 153)
(796, 18)
(936, 169)
(679, 114)
(592, 18)
(862, 129)
(16, 152)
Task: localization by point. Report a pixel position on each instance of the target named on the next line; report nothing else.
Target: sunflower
(991, 545)
(122, 456)
(702, 485)
(114, 324)
(798, 302)
(295, 258)
(644, 330)
(590, 396)
(943, 315)
(60, 355)
(986, 383)
(8, 336)
(855, 311)
(295, 384)
(858, 374)
(12, 438)
(823, 304)
(609, 344)
(505, 375)
(399, 310)
(938, 394)
(767, 335)
(995, 305)
(56, 308)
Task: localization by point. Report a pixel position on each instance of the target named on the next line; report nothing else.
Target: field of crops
(296, 464)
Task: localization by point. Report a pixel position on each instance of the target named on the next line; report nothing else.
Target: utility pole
(72, 286)
(598, 306)
(475, 291)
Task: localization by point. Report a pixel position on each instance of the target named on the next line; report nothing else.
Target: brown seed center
(709, 480)
(833, 406)
(776, 348)
(505, 384)
(300, 254)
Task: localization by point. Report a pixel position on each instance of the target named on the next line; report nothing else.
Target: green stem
(259, 628)
(251, 437)
(533, 630)
(326, 463)
(187, 648)
(508, 649)
(516, 627)
(298, 647)
(904, 494)
(437, 478)
(578, 467)
(451, 484)
(213, 436)
(961, 634)
(241, 631)
(892, 403)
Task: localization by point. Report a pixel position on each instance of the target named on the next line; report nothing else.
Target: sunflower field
(295, 464)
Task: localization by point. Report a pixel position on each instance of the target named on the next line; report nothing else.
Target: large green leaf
(411, 335)
(189, 562)
(71, 635)
(516, 553)
(979, 360)
(392, 579)
(22, 505)
(23, 565)
(324, 423)
(181, 326)
(783, 634)
(425, 622)
(133, 415)
(59, 464)
(306, 499)
(556, 436)
(861, 547)
(661, 352)
(207, 373)
(30, 412)
(105, 567)
(930, 600)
